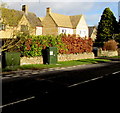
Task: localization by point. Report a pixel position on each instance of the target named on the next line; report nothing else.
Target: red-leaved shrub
(76, 44)
(110, 45)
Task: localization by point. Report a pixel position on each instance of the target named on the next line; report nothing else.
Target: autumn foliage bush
(110, 45)
(76, 45)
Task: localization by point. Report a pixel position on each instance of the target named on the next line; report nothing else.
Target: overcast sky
(92, 10)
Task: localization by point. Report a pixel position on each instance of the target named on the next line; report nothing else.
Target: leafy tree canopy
(107, 27)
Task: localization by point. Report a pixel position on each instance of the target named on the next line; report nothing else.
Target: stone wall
(68, 57)
(119, 52)
(49, 26)
(31, 60)
(61, 57)
(107, 53)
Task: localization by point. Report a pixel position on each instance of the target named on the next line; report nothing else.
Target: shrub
(76, 45)
(34, 44)
(110, 45)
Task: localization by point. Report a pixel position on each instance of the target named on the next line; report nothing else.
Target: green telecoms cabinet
(10, 59)
(51, 55)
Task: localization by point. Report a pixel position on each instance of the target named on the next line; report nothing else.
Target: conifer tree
(107, 27)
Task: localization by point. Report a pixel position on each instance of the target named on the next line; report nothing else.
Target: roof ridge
(77, 15)
(59, 14)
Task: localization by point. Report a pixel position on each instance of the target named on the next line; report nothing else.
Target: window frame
(2, 26)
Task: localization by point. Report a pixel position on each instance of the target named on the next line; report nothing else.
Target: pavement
(28, 73)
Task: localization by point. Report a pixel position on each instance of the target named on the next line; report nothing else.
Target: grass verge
(59, 64)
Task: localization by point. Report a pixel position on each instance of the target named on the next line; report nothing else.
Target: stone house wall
(49, 26)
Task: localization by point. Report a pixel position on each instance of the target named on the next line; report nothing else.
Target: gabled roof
(61, 20)
(33, 19)
(91, 29)
(64, 20)
(41, 18)
(12, 17)
(75, 20)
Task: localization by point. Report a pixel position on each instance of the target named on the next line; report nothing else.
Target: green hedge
(34, 44)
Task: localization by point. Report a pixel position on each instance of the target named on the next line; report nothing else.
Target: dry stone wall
(61, 57)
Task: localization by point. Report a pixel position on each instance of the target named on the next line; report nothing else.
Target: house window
(80, 32)
(24, 28)
(2, 26)
(84, 32)
(63, 30)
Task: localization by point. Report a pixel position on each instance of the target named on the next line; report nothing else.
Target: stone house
(12, 21)
(92, 32)
(55, 24)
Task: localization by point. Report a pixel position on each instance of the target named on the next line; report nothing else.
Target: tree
(119, 24)
(107, 27)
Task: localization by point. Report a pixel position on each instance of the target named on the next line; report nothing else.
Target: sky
(91, 9)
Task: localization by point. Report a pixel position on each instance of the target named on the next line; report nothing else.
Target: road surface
(78, 88)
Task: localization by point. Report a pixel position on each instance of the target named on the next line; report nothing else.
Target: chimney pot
(25, 9)
(48, 10)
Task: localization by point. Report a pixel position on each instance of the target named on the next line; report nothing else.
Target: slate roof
(12, 17)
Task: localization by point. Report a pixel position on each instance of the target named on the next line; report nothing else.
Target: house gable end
(24, 21)
(82, 27)
(82, 22)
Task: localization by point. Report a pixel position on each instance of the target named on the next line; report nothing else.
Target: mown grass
(59, 64)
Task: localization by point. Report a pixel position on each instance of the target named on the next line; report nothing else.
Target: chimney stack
(48, 10)
(25, 9)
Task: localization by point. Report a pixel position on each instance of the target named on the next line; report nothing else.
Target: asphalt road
(79, 88)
